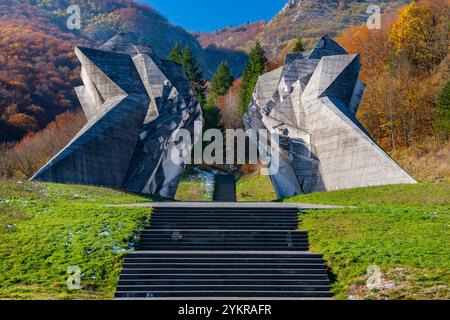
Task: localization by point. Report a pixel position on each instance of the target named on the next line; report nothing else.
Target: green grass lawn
(196, 185)
(255, 188)
(404, 230)
(46, 228)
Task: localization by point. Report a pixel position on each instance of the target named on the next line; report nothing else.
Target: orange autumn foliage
(32, 152)
(399, 104)
(37, 73)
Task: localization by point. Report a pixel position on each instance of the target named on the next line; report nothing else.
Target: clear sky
(210, 15)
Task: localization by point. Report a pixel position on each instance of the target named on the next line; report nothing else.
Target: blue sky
(209, 15)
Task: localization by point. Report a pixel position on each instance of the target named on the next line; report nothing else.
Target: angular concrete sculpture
(133, 101)
(311, 103)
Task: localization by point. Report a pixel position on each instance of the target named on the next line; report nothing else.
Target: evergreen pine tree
(191, 67)
(213, 117)
(222, 80)
(443, 111)
(255, 67)
(176, 55)
(194, 74)
(298, 47)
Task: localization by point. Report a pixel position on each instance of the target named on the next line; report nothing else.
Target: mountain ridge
(310, 19)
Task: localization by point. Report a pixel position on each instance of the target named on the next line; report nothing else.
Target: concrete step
(224, 255)
(228, 265)
(231, 226)
(281, 271)
(217, 210)
(212, 259)
(223, 240)
(224, 233)
(208, 287)
(223, 282)
(223, 246)
(176, 237)
(226, 228)
(225, 277)
(225, 294)
(224, 214)
(224, 219)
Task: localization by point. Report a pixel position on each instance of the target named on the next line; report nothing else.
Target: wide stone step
(238, 233)
(222, 220)
(218, 210)
(226, 223)
(170, 246)
(230, 227)
(225, 294)
(225, 277)
(224, 241)
(224, 260)
(241, 270)
(205, 266)
(226, 214)
(164, 226)
(224, 255)
(223, 282)
(221, 240)
(207, 287)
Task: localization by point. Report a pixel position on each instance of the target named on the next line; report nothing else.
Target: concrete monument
(133, 101)
(311, 103)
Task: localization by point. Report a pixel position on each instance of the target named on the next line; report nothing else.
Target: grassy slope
(195, 186)
(45, 228)
(255, 188)
(402, 229)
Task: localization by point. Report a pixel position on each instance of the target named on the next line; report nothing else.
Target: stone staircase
(227, 252)
(225, 188)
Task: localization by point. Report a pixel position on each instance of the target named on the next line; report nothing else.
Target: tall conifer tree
(222, 80)
(194, 74)
(255, 67)
(177, 54)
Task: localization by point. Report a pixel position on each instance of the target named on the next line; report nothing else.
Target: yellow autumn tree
(414, 35)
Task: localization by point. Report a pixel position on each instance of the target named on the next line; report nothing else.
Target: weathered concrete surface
(312, 102)
(133, 102)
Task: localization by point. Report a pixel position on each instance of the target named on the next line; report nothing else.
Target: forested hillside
(233, 38)
(38, 68)
(310, 19)
(406, 66)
